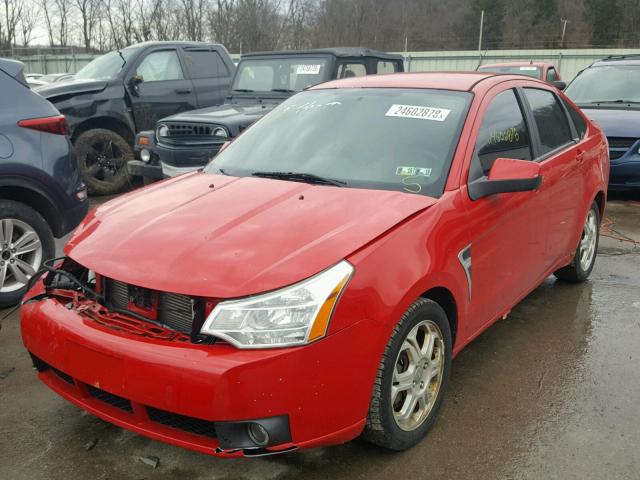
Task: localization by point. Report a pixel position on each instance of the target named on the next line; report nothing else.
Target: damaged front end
(120, 306)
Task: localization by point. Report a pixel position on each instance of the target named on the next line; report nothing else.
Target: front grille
(619, 146)
(182, 422)
(110, 399)
(63, 376)
(190, 129)
(175, 311)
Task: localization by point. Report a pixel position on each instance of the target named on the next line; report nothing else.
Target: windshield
(107, 66)
(529, 71)
(280, 74)
(610, 83)
(391, 139)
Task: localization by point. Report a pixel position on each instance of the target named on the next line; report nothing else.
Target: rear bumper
(323, 396)
(625, 176)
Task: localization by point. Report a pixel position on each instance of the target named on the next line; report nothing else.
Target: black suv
(128, 90)
(41, 194)
(188, 140)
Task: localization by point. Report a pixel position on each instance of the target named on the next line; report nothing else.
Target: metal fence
(569, 62)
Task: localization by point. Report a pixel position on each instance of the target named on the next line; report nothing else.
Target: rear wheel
(585, 258)
(102, 161)
(25, 242)
(412, 378)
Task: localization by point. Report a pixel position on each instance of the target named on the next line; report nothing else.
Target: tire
(102, 161)
(23, 219)
(581, 266)
(384, 427)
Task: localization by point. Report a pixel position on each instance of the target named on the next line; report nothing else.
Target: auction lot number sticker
(421, 113)
(308, 69)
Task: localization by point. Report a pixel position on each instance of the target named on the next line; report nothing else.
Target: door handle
(580, 156)
(183, 90)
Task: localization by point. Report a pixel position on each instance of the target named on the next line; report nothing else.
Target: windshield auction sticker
(420, 113)
(308, 69)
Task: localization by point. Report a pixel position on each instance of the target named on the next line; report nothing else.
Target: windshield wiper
(243, 90)
(283, 90)
(301, 177)
(613, 101)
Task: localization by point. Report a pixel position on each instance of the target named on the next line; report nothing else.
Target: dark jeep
(126, 91)
(187, 141)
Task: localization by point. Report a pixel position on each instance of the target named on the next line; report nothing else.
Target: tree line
(393, 25)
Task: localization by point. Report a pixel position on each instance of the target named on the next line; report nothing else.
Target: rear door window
(552, 123)
(503, 134)
(578, 121)
(387, 67)
(347, 70)
(205, 64)
(552, 76)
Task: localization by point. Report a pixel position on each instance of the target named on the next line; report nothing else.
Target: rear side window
(503, 134)
(579, 122)
(205, 64)
(550, 119)
(161, 66)
(347, 70)
(552, 76)
(387, 67)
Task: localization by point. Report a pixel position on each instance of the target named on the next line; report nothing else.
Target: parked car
(187, 141)
(33, 76)
(313, 282)
(41, 195)
(608, 92)
(56, 77)
(126, 91)
(545, 71)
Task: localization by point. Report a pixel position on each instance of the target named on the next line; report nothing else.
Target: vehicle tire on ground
(26, 241)
(412, 378)
(102, 161)
(585, 258)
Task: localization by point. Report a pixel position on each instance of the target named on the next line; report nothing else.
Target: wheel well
(108, 123)
(38, 202)
(600, 200)
(445, 299)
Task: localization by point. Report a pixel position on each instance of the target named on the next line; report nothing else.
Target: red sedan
(313, 283)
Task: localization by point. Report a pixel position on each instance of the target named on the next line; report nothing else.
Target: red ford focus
(313, 283)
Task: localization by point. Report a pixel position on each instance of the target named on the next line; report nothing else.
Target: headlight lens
(220, 132)
(294, 315)
(162, 131)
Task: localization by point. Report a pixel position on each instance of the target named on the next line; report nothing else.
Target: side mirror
(134, 82)
(507, 176)
(224, 146)
(559, 84)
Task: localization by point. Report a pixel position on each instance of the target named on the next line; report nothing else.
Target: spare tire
(102, 161)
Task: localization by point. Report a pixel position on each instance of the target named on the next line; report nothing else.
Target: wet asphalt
(552, 392)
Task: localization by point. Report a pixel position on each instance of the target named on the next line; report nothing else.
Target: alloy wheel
(417, 375)
(104, 161)
(589, 241)
(20, 254)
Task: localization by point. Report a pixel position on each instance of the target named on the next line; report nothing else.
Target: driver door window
(160, 66)
(503, 134)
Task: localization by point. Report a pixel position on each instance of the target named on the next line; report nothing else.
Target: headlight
(220, 132)
(162, 131)
(294, 315)
(145, 155)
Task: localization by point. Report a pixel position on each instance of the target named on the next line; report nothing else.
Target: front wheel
(102, 161)
(412, 378)
(585, 258)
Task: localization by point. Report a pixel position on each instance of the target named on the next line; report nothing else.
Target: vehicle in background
(56, 77)
(544, 71)
(41, 194)
(126, 91)
(187, 141)
(608, 92)
(33, 76)
(313, 283)
(35, 84)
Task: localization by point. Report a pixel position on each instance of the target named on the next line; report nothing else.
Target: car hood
(229, 114)
(224, 237)
(615, 122)
(71, 87)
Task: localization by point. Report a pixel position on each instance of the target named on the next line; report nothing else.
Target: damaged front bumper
(204, 397)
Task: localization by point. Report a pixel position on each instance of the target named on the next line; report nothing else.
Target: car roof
(460, 81)
(338, 52)
(517, 64)
(152, 43)
(618, 60)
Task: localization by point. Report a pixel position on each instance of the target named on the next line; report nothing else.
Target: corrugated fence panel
(569, 62)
